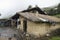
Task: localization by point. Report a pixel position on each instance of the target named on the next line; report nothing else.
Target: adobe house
(37, 23)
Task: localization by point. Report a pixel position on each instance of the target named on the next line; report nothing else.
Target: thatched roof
(40, 17)
(29, 16)
(50, 18)
(35, 9)
(15, 17)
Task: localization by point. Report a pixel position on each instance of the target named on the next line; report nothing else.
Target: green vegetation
(57, 15)
(55, 38)
(55, 10)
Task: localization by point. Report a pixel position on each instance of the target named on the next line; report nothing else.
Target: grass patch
(56, 15)
(55, 38)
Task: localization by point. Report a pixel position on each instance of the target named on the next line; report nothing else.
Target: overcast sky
(9, 7)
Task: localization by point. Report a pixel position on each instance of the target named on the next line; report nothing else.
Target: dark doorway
(25, 25)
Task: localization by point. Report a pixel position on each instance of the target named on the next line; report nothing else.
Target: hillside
(52, 10)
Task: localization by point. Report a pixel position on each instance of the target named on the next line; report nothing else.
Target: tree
(58, 8)
(51, 11)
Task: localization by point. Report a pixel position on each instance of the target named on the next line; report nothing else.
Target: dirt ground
(6, 38)
(6, 33)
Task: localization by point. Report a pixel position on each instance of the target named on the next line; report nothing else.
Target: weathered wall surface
(41, 28)
(38, 28)
(21, 23)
